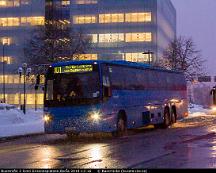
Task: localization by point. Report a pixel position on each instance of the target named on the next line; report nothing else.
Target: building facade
(131, 30)
(18, 19)
(125, 29)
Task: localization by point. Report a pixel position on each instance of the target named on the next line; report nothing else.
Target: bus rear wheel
(122, 123)
(167, 121)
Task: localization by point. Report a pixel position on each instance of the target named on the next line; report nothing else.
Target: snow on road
(14, 122)
(197, 111)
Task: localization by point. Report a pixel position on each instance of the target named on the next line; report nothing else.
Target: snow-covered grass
(14, 123)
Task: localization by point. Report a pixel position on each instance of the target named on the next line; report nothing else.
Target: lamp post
(149, 53)
(26, 72)
(3, 71)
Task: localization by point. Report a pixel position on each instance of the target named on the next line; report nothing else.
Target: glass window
(6, 40)
(138, 37)
(112, 37)
(88, 57)
(138, 57)
(111, 18)
(138, 17)
(33, 21)
(65, 2)
(93, 38)
(84, 19)
(86, 1)
(69, 87)
(6, 59)
(10, 21)
(25, 2)
(9, 3)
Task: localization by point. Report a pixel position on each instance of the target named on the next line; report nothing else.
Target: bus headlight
(94, 116)
(213, 108)
(47, 118)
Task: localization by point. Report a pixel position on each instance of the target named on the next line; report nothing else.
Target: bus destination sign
(73, 69)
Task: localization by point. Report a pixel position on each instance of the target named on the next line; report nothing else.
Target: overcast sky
(197, 19)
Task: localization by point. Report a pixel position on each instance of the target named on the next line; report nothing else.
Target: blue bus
(111, 96)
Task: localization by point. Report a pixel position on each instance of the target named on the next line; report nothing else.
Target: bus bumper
(81, 124)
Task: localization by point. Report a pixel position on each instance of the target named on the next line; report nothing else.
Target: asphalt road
(188, 144)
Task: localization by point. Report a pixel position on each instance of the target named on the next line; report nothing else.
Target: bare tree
(182, 55)
(52, 43)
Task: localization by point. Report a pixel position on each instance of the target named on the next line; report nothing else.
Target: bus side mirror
(107, 91)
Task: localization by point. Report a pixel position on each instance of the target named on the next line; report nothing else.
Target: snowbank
(197, 110)
(13, 122)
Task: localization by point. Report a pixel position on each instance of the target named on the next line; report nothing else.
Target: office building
(131, 30)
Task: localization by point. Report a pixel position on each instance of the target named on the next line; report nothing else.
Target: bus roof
(115, 62)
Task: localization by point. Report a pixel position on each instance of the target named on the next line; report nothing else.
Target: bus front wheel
(173, 115)
(122, 123)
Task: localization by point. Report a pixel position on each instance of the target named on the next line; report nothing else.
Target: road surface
(190, 143)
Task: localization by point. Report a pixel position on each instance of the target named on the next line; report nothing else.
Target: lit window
(138, 57)
(111, 18)
(33, 21)
(93, 38)
(16, 3)
(9, 3)
(138, 37)
(15, 79)
(6, 40)
(88, 57)
(66, 2)
(3, 3)
(6, 59)
(84, 19)
(17, 98)
(25, 2)
(86, 1)
(138, 17)
(11, 21)
(112, 37)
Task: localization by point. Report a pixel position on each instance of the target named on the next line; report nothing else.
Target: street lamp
(3, 70)
(149, 53)
(25, 71)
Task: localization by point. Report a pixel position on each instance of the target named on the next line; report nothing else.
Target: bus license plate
(70, 129)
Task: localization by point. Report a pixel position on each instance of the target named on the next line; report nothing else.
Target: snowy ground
(14, 122)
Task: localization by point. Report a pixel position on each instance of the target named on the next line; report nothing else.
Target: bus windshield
(72, 86)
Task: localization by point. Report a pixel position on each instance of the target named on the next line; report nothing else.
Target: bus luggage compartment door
(146, 118)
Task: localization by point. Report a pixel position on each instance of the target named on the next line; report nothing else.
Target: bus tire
(121, 123)
(173, 115)
(167, 120)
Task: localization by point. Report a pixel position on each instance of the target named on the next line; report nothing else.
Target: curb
(10, 138)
